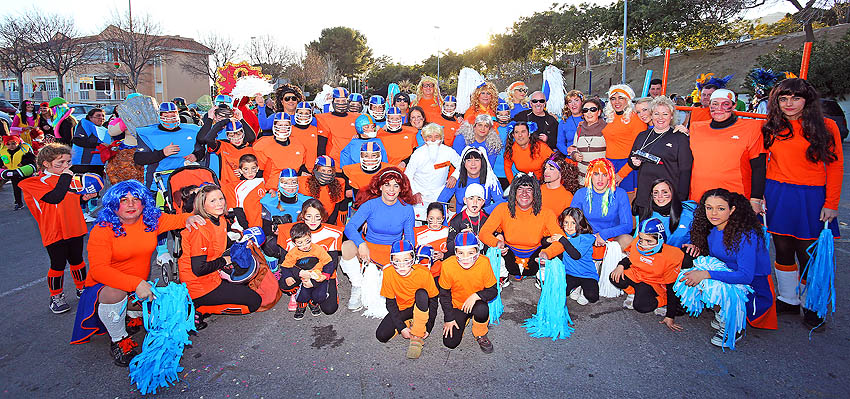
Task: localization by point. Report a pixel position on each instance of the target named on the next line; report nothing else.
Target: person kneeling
(467, 283)
(411, 299)
(306, 268)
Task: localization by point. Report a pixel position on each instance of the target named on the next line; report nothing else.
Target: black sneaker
(299, 313)
(200, 324)
(18, 207)
(134, 325)
(123, 351)
(784, 307)
(79, 293)
(58, 304)
(315, 309)
(504, 281)
(484, 343)
(812, 321)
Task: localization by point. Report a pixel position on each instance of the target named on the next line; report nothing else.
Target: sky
(403, 30)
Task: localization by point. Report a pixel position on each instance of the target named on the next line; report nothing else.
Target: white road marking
(30, 284)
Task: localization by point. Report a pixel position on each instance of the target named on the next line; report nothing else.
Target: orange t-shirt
(431, 108)
(399, 145)
(328, 236)
(339, 130)
(55, 222)
(274, 157)
(324, 192)
(294, 254)
(700, 114)
(620, 137)
(787, 163)
(523, 231)
(464, 282)
(309, 138)
(524, 161)
(230, 160)
(403, 288)
(357, 178)
(656, 270)
(722, 156)
(436, 239)
(246, 194)
(210, 240)
(123, 262)
(449, 129)
(470, 114)
(556, 199)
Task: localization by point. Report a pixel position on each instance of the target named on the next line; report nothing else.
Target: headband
(621, 91)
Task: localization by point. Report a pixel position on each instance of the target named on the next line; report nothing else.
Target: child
(245, 194)
(60, 219)
(411, 300)
(650, 271)
(467, 283)
(17, 161)
(284, 205)
(307, 267)
(231, 150)
(470, 218)
(434, 234)
(582, 277)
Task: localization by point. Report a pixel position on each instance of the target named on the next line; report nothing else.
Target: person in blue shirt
(518, 97)
(726, 228)
(367, 131)
(482, 134)
(570, 118)
(605, 205)
(168, 145)
(582, 276)
(284, 205)
(474, 168)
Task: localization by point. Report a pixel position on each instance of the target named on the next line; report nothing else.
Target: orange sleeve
(291, 258)
(324, 259)
(509, 167)
(624, 171)
(494, 221)
(834, 170)
(168, 222)
(552, 228)
(195, 240)
(100, 246)
(387, 286)
(446, 281)
(321, 129)
(756, 145)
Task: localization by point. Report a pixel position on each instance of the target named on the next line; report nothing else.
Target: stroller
(169, 184)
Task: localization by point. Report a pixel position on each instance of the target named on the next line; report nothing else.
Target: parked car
(7, 107)
(832, 110)
(81, 110)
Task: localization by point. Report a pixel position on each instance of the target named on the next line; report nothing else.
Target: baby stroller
(168, 185)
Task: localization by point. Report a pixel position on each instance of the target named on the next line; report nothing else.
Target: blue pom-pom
(552, 319)
(820, 279)
(496, 306)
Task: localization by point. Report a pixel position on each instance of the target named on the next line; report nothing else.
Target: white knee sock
(786, 286)
(351, 268)
(112, 315)
(134, 314)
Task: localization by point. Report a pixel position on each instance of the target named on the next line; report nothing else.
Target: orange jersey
(449, 129)
(294, 254)
(403, 288)
(309, 138)
(657, 270)
(324, 192)
(210, 241)
(357, 178)
(524, 161)
(700, 115)
(399, 145)
(246, 194)
(55, 221)
(328, 236)
(523, 231)
(339, 130)
(123, 262)
(557, 199)
(274, 157)
(620, 137)
(722, 156)
(431, 108)
(437, 240)
(230, 155)
(787, 163)
(464, 282)
(470, 114)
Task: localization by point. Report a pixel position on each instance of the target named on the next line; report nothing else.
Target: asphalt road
(613, 352)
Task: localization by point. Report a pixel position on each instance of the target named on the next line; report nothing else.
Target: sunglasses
(400, 100)
(522, 90)
(591, 109)
(428, 85)
(290, 98)
(538, 101)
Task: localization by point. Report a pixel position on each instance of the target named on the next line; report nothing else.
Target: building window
(102, 84)
(87, 85)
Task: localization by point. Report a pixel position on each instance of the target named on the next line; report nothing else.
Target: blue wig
(112, 198)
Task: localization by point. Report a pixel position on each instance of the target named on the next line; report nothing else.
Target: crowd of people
(365, 189)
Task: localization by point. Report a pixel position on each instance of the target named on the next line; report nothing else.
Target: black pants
(792, 251)
(513, 267)
(480, 313)
(329, 305)
(387, 329)
(228, 293)
(68, 251)
(589, 287)
(19, 200)
(646, 300)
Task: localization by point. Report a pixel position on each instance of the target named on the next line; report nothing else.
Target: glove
(9, 174)
(254, 233)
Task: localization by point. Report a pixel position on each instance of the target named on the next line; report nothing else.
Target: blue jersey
(386, 223)
(351, 153)
(273, 206)
(750, 260)
(583, 267)
(618, 219)
(152, 138)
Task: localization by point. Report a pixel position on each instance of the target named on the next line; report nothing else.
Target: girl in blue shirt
(605, 205)
(582, 277)
(674, 214)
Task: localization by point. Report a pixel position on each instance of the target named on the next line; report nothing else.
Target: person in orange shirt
(244, 195)
(483, 100)
(411, 299)
(306, 268)
(60, 220)
(434, 234)
(279, 152)
(203, 257)
(337, 126)
(120, 247)
(238, 143)
(304, 126)
(728, 152)
(620, 133)
(524, 149)
(399, 140)
(428, 97)
(448, 119)
(706, 85)
(360, 174)
(326, 187)
(805, 169)
(466, 285)
(558, 183)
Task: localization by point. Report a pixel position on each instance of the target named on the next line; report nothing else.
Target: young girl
(60, 219)
(326, 187)
(582, 277)
(434, 234)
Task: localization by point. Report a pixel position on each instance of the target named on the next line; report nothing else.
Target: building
(100, 83)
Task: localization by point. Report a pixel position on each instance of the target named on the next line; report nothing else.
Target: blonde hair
(50, 152)
(571, 95)
(474, 105)
(438, 98)
(510, 92)
(201, 197)
(627, 111)
(433, 128)
(664, 101)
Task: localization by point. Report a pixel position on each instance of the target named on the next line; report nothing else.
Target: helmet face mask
(303, 114)
(282, 129)
(449, 108)
(503, 116)
(370, 161)
(288, 186)
(169, 119)
(355, 107)
(377, 107)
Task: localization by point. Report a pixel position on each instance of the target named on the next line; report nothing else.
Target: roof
(175, 42)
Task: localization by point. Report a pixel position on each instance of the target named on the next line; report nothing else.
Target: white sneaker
(504, 281)
(717, 339)
(355, 303)
(575, 293)
(89, 218)
(717, 323)
(629, 302)
(661, 311)
(582, 300)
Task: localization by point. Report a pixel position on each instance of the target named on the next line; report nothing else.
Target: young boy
(305, 271)
(411, 299)
(244, 194)
(470, 218)
(467, 283)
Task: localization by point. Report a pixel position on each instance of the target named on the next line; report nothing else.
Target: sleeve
(746, 259)
(551, 227)
(562, 137)
(489, 293)
(99, 249)
(446, 302)
(509, 167)
(409, 222)
(147, 156)
(345, 155)
(168, 222)
(454, 226)
(321, 145)
(208, 132)
(834, 170)
(57, 194)
(624, 212)
(83, 139)
(352, 228)
(324, 260)
(290, 259)
(446, 195)
(493, 222)
(496, 197)
(758, 165)
(571, 250)
(263, 119)
(686, 163)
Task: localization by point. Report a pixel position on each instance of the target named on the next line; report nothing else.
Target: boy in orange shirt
(411, 299)
(306, 268)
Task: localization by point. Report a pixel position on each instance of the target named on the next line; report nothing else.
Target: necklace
(643, 147)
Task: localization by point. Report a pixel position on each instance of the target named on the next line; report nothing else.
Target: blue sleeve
(353, 226)
(746, 259)
(345, 155)
(624, 214)
(496, 197)
(410, 218)
(459, 144)
(384, 156)
(446, 195)
(563, 137)
(264, 120)
(419, 140)
(578, 200)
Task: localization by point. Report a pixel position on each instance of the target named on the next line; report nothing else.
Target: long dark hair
(534, 140)
(582, 225)
(743, 222)
(335, 189)
(644, 213)
(23, 114)
(472, 154)
(569, 172)
(537, 200)
(421, 112)
(821, 143)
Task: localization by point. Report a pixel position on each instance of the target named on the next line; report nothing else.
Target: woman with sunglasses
(570, 119)
(517, 96)
(589, 143)
(428, 98)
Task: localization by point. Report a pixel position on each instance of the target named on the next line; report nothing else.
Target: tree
(136, 42)
(223, 51)
(347, 47)
(384, 73)
(312, 70)
(58, 46)
(265, 52)
(16, 50)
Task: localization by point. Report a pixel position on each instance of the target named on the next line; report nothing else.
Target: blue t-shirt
(386, 223)
(750, 260)
(351, 153)
(518, 107)
(566, 132)
(272, 206)
(584, 266)
(617, 221)
(499, 165)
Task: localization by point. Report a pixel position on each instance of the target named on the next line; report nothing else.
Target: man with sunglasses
(547, 125)
(402, 102)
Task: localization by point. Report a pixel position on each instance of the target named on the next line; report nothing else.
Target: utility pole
(625, 30)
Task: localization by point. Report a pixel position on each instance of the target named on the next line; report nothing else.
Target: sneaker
(717, 339)
(292, 304)
(18, 207)
(123, 351)
(784, 307)
(716, 322)
(538, 283)
(355, 303)
(629, 303)
(484, 343)
(812, 321)
(134, 325)
(575, 293)
(581, 300)
(504, 281)
(315, 310)
(79, 293)
(58, 304)
(299, 313)
(661, 311)
(89, 218)
(414, 350)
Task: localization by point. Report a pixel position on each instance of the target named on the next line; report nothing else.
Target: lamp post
(625, 28)
(437, 28)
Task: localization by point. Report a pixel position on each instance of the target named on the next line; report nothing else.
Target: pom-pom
(552, 319)
(249, 86)
(496, 306)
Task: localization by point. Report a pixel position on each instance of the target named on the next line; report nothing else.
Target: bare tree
(224, 51)
(136, 42)
(311, 70)
(264, 51)
(58, 45)
(16, 50)
(809, 11)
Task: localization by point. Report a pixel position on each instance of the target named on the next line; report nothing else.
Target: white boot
(786, 286)
(351, 268)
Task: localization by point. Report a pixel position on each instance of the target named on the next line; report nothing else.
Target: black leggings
(68, 251)
(513, 267)
(228, 293)
(480, 313)
(646, 300)
(792, 251)
(589, 287)
(386, 330)
(328, 306)
(17, 192)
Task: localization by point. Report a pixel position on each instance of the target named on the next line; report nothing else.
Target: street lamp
(437, 28)
(625, 28)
